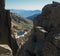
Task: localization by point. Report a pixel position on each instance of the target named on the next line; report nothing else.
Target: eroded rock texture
(45, 39)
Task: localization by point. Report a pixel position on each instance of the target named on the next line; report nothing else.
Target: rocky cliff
(7, 43)
(45, 38)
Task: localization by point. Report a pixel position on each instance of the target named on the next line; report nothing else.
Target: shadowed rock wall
(45, 38)
(8, 45)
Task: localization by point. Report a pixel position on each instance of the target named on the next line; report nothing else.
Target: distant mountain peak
(25, 13)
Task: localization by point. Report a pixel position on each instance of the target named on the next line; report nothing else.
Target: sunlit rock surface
(5, 50)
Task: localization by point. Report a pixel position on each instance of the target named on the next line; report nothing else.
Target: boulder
(5, 50)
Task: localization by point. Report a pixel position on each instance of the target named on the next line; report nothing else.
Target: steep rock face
(5, 33)
(49, 20)
(45, 39)
(6, 41)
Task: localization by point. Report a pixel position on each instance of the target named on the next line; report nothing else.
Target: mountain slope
(18, 23)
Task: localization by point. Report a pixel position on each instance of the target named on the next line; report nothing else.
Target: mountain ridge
(25, 13)
(33, 16)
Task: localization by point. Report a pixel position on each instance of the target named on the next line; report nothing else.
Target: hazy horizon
(27, 4)
(24, 9)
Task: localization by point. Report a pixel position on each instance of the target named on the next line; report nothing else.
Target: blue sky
(27, 4)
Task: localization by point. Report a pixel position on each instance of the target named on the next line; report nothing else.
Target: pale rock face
(5, 50)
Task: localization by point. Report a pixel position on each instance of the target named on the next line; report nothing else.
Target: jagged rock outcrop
(6, 41)
(45, 39)
(49, 20)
